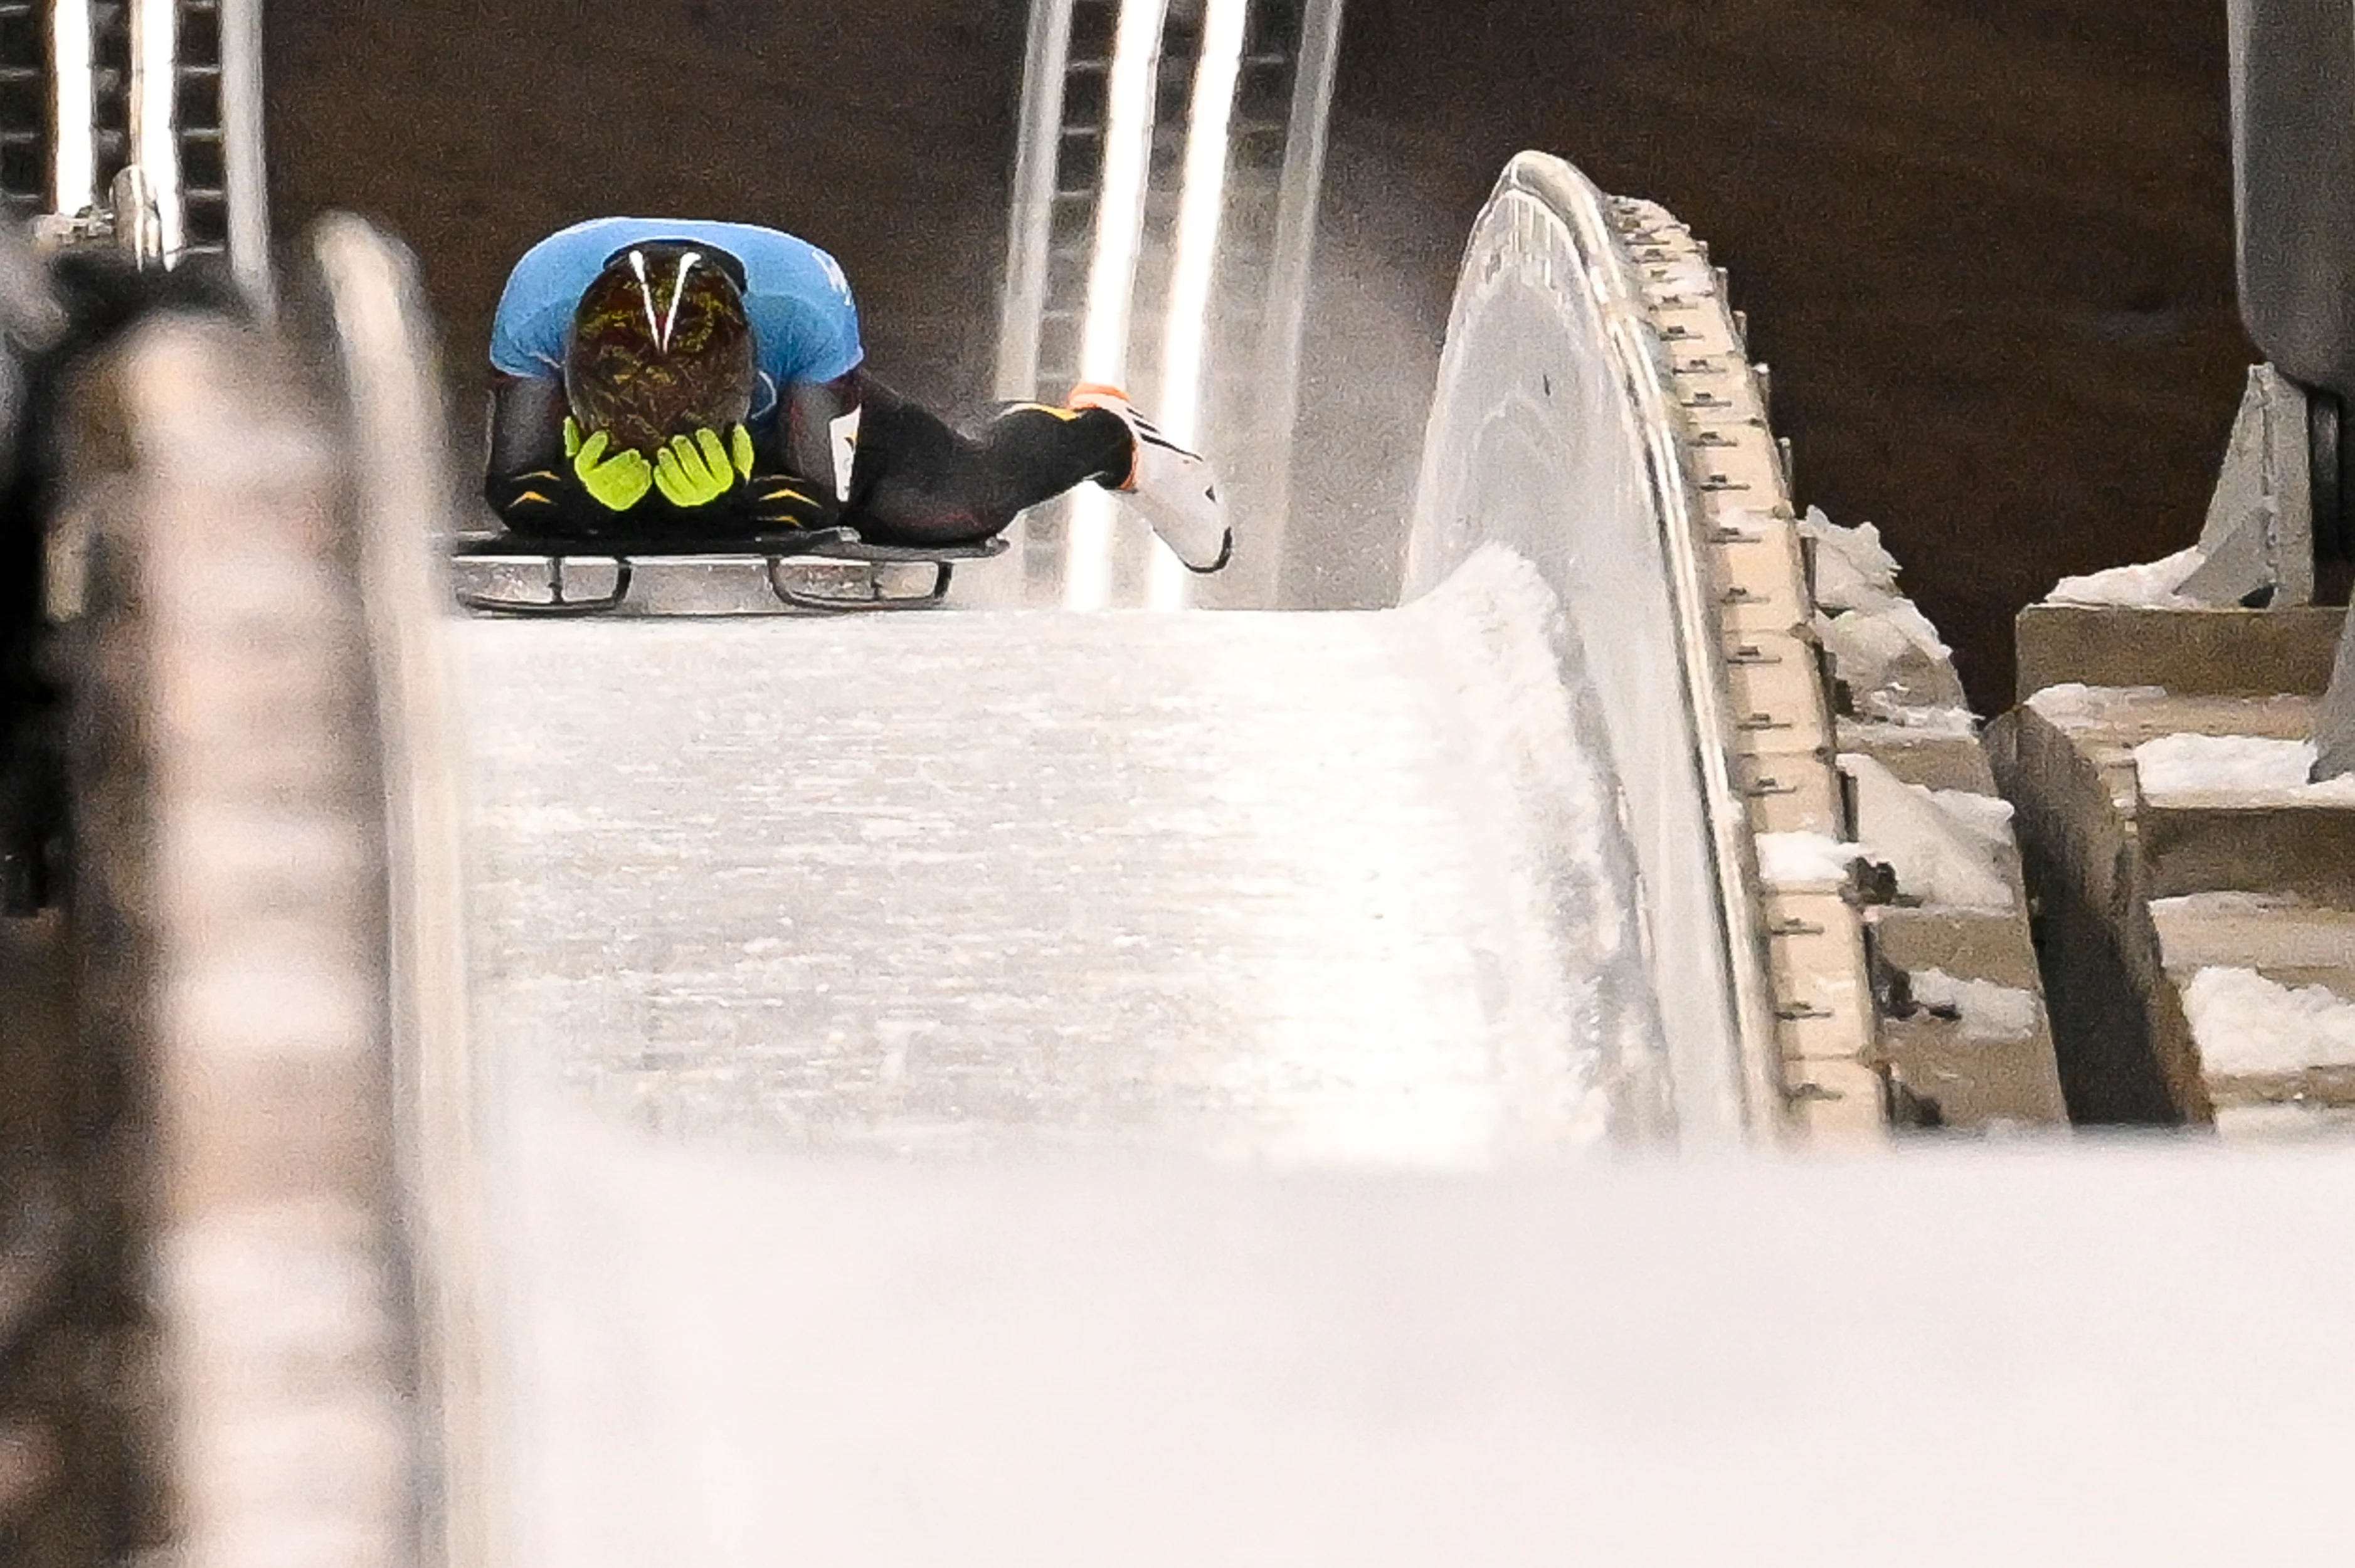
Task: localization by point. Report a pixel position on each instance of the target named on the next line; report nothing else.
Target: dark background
(1985, 244)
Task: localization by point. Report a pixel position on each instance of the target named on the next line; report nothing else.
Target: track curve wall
(1553, 431)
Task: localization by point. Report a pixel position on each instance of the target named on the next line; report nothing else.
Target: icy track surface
(1291, 888)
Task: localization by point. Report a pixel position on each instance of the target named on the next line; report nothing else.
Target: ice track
(1327, 888)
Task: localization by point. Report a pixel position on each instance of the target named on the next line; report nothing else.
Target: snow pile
(2237, 767)
(2151, 585)
(1986, 818)
(1947, 848)
(1811, 862)
(1896, 668)
(1988, 1011)
(2245, 1025)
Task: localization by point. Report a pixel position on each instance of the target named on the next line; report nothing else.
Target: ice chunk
(1881, 646)
(1864, 649)
(1894, 648)
(2244, 1024)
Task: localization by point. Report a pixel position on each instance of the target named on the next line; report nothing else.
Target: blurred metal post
(153, 148)
(404, 501)
(139, 230)
(1030, 230)
(229, 912)
(1259, 553)
(1045, 56)
(73, 153)
(245, 169)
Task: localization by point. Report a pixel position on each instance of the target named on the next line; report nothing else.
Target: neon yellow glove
(614, 480)
(695, 470)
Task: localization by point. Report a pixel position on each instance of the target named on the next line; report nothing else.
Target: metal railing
(171, 88)
(1113, 199)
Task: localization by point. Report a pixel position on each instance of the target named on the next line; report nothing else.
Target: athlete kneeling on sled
(705, 380)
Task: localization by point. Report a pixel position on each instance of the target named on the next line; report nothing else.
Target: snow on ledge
(1804, 862)
(2072, 701)
(1947, 847)
(1854, 571)
(2245, 1025)
(1988, 1011)
(1895, 724)
(2150, 585)
(2240, 769)
(1881, 646)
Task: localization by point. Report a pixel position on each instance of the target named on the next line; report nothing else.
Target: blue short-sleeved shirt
(805, 322)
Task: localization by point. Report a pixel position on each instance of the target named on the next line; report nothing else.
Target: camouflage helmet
(660, 344)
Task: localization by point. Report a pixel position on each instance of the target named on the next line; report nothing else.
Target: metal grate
(197, 129)
(24, 108)
(110, 89)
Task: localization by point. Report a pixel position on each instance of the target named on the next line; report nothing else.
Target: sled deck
(811, 571)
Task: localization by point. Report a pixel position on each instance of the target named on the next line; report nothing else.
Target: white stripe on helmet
(645, 290)
(677, 288)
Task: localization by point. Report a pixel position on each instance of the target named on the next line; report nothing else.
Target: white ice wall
(1553, 433)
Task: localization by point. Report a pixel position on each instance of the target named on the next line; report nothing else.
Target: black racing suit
(913, 480)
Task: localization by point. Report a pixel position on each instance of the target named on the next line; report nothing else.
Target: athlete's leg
(920, 481)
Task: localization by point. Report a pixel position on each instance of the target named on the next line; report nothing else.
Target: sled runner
(811, 571)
